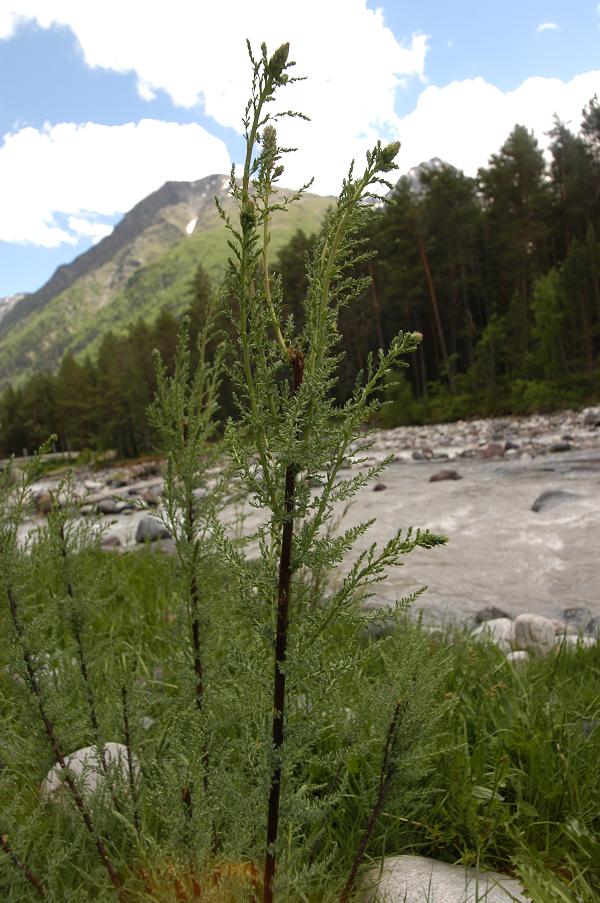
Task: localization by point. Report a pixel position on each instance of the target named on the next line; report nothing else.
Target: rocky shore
(519, 499)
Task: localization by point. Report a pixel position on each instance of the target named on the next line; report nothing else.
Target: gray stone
(552, 498)
(489, 613)
(444, 475)
(149, 530)
(498, 631)
(110, 541)
(107, 506)
(376, 629)
(533, 632)
(578, 617)
(418, 879)
(560, 447)
(88, 770)
(593, 627)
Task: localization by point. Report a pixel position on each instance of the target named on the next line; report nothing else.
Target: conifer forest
(500, 273)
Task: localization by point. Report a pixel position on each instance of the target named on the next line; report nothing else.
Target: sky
(102, 101)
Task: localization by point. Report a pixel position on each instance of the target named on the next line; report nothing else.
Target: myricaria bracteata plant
(292, 442)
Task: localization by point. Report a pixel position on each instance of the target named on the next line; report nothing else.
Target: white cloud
(196, 52)
(105, 170)
(467, 121)
(548, 26)
(89, 228)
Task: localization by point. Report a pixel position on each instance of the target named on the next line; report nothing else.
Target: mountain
(144, 265)
(414, 176)
(7, 304)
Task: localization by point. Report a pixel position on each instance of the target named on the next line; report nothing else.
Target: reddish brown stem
(130, 761)
(18, 863)
(283, 604)
(83, 668)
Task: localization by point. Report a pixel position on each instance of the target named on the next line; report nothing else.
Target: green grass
(507, 777)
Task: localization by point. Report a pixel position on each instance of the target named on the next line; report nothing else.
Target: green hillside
(75, 319)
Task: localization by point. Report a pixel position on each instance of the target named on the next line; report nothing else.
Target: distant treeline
(500, 274)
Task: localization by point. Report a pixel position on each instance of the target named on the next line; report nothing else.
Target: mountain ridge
(133, 223)
(145, 265)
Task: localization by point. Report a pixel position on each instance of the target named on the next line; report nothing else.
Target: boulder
(149, 530)
(89, 770)
(552, 498)
(107, 506)
(444, 475)
(489, 613)
(418, 879)
(591, 417)
(578, 617)
(533, 632)
(498, 631)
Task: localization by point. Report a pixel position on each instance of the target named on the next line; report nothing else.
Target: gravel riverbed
(487, 475)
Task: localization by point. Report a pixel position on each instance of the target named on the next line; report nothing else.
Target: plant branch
(386, 773)
(130, 762)
(18, 863)
(56, 747)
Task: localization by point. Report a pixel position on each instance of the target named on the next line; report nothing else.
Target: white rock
(572, 641)
(533, 632)
(88, 770)
(498, 631)
(517, 657)
(417, 879)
